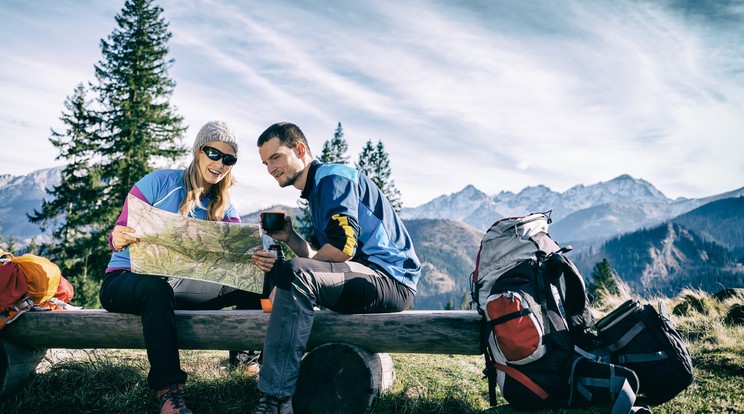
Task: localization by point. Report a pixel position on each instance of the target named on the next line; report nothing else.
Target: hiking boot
(171, 400)
(250, 360)
(273, 405)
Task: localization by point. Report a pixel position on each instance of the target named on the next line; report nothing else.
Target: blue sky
(501, 95)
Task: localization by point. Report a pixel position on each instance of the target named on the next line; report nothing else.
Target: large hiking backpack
(536, 313)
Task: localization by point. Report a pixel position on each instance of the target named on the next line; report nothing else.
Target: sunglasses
(215, 155)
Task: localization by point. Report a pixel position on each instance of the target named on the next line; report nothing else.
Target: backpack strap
(632, 358)
(620, 389)
(551, 307)
(625, 339)
(489, 371)
(575, 300)
(540, 292)
(523, 379)
(599, 355)
(513, 315)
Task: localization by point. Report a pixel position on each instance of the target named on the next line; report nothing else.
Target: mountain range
(656, 244)
(581, 213)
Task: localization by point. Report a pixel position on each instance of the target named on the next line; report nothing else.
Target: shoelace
(175, 396)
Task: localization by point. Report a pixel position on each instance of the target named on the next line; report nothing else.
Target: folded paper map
(173, 245)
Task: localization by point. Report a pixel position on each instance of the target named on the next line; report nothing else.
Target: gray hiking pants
(347, 287)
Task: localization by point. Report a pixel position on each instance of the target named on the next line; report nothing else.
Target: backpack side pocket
(516, 332)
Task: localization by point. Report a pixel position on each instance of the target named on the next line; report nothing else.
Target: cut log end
(341, 378)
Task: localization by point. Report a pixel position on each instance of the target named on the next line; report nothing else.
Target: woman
(201, 191)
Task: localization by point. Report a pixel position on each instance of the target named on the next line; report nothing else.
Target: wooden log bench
(346, 367)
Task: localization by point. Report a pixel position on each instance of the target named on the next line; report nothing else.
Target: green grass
(114, 381)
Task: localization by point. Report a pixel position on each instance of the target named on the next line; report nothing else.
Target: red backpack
(13, 284)
(31, 282)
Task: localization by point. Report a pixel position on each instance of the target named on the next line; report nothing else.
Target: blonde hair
(219, 194)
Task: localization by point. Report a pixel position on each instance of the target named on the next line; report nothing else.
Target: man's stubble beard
(291, 180)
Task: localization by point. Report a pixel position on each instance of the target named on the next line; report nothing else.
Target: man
(361, 259)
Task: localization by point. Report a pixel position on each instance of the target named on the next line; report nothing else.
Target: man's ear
(301, 150)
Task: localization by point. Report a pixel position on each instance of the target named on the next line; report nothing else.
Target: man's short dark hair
(288, 133)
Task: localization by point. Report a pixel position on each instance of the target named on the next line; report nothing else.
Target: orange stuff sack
(42, 277)
(65, 291)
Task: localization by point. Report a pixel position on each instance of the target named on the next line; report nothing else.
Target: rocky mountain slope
(663, 260)
(719, 221)
(20, 195)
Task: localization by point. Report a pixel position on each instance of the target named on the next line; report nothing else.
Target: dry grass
(105, 381)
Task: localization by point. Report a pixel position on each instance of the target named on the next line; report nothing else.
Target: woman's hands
(122, 237)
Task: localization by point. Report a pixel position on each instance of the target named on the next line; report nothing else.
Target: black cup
(272, 220)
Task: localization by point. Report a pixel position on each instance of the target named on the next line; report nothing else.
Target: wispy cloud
(501, 95)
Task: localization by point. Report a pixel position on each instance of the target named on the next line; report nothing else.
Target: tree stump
(17, 363)
(341, 378)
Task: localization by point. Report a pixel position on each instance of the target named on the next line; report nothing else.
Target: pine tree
(112, 144)
(334, 151)
(9, 245)
(367, 160)
(69, 210)
(384, 171)
(375, 163)
(604, 281)
(140, 124)
(32, 247)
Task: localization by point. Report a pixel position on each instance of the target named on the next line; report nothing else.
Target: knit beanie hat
(215, 131)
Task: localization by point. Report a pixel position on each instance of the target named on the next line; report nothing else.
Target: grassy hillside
(113, 381)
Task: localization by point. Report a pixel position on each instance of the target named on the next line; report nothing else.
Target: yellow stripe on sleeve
(350, 245)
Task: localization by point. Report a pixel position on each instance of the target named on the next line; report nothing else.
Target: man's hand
(285, 233)
(291, 238)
